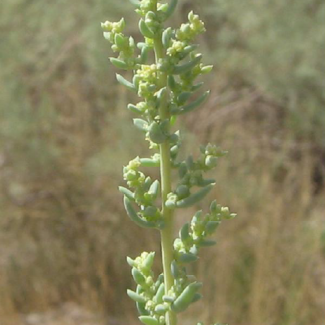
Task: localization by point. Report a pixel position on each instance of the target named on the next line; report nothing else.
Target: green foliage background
(64, 135)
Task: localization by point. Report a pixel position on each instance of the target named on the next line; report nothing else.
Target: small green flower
(146, 6)
(177, 47)
(187, 32)
(148, 73)
(197, 25)
(114, 28)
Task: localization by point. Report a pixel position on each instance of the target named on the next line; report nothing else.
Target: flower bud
(150, 212)
(171, 201)
(196, 24)
(131, 175)
(170, 204)
(149, 281)
(161, 309)
(182, 191)
(225, 212)
(184, 33)
(109, 36)
(131, 43)
(107, 26)
(177, 50)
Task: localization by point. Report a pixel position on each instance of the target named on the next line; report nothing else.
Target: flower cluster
(194, 235)
(149, 293)
(191, 175)
(144, 195)
(165, 68)
(189, 31)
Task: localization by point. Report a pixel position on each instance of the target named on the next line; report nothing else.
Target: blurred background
(65, 134)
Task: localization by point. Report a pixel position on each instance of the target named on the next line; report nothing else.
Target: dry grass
(269, 267)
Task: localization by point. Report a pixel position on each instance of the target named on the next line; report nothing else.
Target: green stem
(165, 173)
